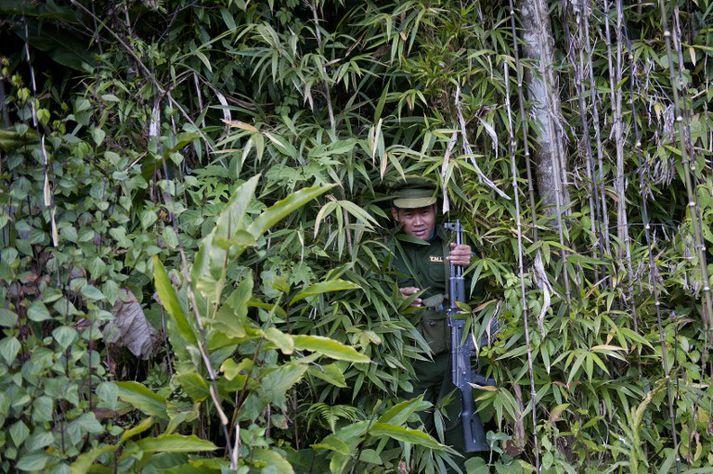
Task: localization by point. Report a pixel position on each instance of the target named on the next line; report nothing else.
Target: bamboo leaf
(330, 373)
(330, 348)
(174, 443)
(324, 287)
(283, 208)
(406, 435)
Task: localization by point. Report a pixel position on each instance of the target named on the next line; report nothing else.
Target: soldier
(421, 261)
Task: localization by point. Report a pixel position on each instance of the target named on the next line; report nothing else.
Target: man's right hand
(411, 290)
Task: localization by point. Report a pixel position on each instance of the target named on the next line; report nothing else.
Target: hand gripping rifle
(462, 354)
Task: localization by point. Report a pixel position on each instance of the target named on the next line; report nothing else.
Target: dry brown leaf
(129, 328)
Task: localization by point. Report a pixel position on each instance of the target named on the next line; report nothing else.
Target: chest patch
(435, 259)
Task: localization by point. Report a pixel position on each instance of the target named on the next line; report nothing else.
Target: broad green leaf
(8, 319)
(209, 266)
(370, 456)
(231, 369)
(39, 440)
(276, 383)
(84, 461)
(282, 145)
(194, 385)
(271, 461)
(333, 443)
(280, 339)
(400, 413)
(169, 300)
(9, 347)
(38, 312)
(19, 432)
(144, 425)
(32, 462)
(230, 318)
(173, 443)
(556, 412)
(406, 435)
(329, 347)
(283, 208)
(88, 423)
(324, 287)
(330, 373)
(142, 399)
(65, 336)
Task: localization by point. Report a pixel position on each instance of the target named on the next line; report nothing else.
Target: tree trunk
(550, 160)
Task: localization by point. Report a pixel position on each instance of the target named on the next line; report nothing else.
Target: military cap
(413, 193)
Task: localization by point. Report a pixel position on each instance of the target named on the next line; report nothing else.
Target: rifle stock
(462, 354)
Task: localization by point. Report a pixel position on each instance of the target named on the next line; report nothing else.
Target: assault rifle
(462, 355)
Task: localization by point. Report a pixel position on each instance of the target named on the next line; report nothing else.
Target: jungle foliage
(194, 269)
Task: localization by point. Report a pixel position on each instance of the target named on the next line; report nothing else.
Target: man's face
(418, 222)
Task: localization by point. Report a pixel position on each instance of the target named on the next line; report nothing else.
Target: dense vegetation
(193, 217)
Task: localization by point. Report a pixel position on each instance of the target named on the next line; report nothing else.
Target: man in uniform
(421, 260)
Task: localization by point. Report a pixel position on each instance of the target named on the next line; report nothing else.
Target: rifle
(462, 354)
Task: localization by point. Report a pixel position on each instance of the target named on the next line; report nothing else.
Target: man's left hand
(460, 255)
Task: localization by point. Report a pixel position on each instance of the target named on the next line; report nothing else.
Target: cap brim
(414, 203)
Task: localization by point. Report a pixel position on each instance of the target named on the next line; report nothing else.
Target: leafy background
(193, 211)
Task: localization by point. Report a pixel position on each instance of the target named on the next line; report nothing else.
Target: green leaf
(170, 237)
(329, 347)
(194, 385)
(38, 312)
(406, 435)
(209, 266)
(275, 384)
(400, 413)
(173, 443)
(8, 319)
(32, 462)
(271, 461)
(88, 423)
(42, 409)
(283, 208)
(9, 347)
(65, 336)
(18, 433)
(39, 440)
(370, 456)
(324, 287)
(230, 319)
(169, 300)
(330, 373)
(280, 339)
(142, 399)
(333, 443)
(85, 460)
(231, 369)
(145, 424)
(92, 293)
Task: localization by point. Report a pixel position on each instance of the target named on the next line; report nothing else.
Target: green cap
(415, 193)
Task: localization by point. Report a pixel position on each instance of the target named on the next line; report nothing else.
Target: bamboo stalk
(597, 135)
(521, 271)
(524, 123)
(690, 191)
(617, 94)
(655, 291)
(327, 93)
(556, 160)
(579, 87)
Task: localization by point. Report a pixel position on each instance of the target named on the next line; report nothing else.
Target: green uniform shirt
(422, 265)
